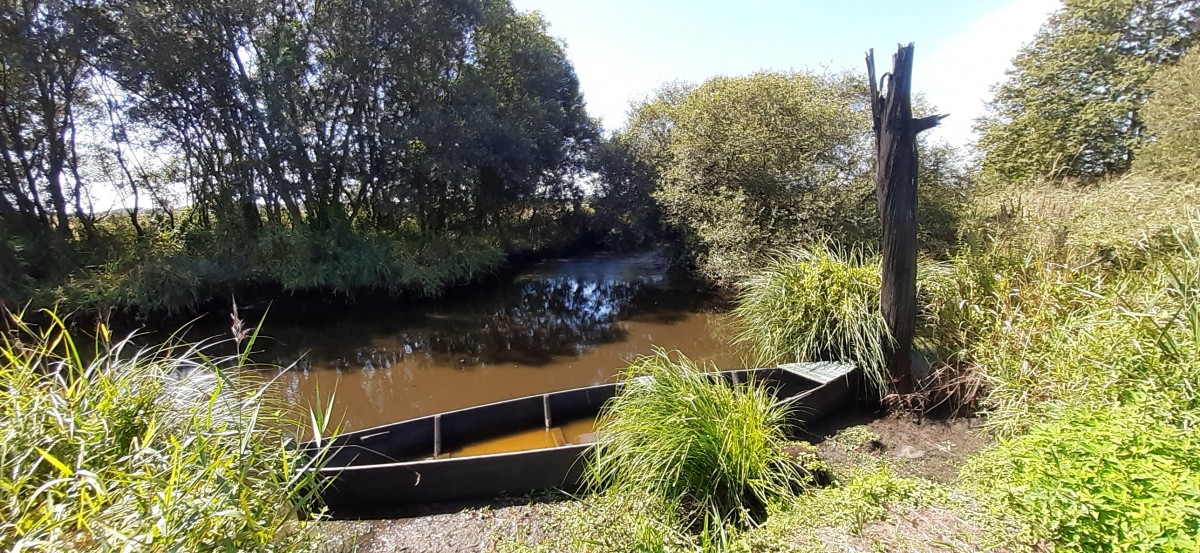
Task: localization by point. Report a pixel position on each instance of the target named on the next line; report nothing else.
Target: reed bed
(104, 446)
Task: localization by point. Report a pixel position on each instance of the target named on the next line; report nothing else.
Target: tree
(44, 47)
(533, 133)
(1173, 120)
(896, 190)
(747, 165)
(625, 208)
(1071, 106)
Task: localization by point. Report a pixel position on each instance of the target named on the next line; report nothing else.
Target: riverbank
(172, 276)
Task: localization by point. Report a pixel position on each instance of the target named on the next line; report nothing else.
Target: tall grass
(1046, 327)
(1093, 373)
(110, 448)
(711, 451)
(816, 303)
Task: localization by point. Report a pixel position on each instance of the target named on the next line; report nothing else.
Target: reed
(104, 446)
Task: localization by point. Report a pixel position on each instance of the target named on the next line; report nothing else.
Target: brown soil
(470, 528)
(932, 449)
(928, 448)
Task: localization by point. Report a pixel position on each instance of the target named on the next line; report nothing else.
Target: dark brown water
(561, 324)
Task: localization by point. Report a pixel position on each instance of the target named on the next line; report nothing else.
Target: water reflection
(560, 325)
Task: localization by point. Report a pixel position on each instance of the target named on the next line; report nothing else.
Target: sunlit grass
(105, 446)
(713, 452)
(821, 302)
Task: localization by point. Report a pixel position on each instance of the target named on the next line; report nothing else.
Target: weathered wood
(896, 190)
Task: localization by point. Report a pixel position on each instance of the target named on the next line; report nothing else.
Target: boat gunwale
(388, 428)
(450, 460)
(367, 432)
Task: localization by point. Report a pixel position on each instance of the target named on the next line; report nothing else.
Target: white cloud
(958, 76)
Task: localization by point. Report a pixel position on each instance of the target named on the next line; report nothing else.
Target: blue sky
(624, 49)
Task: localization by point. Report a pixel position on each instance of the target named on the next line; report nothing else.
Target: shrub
(816, 303)
(711, 451)
(1099, 479)
(113, 449)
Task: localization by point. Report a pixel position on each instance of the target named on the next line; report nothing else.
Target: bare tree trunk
(896, 190)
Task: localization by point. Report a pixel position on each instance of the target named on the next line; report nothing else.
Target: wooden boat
(413, 463)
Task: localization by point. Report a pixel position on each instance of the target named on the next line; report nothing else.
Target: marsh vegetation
(1058, 282)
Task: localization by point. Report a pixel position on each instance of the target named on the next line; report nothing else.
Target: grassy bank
(1067, 318)
(173, 271)
(107, 448)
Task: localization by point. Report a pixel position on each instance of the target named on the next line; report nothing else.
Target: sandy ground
(928, 448)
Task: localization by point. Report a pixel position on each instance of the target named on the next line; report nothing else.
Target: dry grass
(1113, 218)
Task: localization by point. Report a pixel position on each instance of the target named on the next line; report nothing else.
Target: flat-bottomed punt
(437, 459)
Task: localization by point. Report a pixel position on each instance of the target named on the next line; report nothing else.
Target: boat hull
(404, 464)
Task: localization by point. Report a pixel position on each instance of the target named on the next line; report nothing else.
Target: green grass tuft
(712, 451)
(106, 448)
(816, 303)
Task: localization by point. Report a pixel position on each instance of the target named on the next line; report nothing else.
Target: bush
(1099, 479)
(113, 449)
(712, 452)
(817, 303)
(757, 163)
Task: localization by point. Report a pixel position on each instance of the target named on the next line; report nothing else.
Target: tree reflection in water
(560, 325)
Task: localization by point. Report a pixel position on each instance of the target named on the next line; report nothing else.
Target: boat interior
(557, 419)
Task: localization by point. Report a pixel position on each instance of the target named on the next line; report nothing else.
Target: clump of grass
(713, 452)
(816, 303)
(103, 447)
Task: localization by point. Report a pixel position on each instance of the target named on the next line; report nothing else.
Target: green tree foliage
(1173, 120)
(1071, 107)
(343, 118)
(747, 165)
(44, 47)
(624, 207)
(750, 165)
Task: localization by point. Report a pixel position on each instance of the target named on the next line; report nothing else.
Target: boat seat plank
(822, 372)
(557, 435)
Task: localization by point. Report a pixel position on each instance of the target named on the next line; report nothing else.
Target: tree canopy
(1071, 106)
(1172, 117)
(742, 167)
(379, 115)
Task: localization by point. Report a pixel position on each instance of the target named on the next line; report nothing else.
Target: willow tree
(748, 165)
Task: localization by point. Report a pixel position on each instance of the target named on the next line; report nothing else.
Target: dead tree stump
(896, 190)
